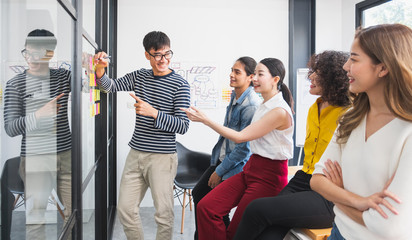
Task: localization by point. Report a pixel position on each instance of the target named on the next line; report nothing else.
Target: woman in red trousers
(271, 142)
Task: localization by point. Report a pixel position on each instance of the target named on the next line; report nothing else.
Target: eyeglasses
(168, 55)
(36, 55)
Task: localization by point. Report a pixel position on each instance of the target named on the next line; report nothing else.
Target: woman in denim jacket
(228, 158)
(271, 142)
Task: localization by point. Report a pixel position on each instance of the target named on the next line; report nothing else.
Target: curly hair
(332, 78)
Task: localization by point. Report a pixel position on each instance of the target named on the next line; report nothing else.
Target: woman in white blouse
(366, 168)
(271, 142)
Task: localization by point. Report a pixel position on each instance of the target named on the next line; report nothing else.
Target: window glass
(90, 108)
(36, 60)
(89, 225)
(395, 11)
(89, 16)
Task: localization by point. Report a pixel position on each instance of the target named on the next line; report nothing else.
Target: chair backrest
(11, 177)
(191, 161)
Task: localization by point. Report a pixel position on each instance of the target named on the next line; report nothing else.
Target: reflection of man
(36, 108)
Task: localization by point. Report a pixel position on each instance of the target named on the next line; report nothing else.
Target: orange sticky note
(97, 108)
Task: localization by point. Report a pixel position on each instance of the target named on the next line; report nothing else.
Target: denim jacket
(241, 116)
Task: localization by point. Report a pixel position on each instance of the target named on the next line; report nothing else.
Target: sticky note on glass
(97, 95)
(92, 80)
(97, 108)
(94, 95)
(91, 62)
(94, 109)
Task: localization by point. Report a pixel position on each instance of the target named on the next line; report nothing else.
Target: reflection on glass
(395, 11)
(89, 16)
(89, 211)
(90, 108)
(36, 109)
(36, 58)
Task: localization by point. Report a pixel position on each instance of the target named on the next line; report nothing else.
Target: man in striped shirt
(36, 108)
(152, 161)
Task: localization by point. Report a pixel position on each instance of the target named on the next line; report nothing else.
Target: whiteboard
(303, 102)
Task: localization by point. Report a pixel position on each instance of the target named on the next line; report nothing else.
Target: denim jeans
(335, 234)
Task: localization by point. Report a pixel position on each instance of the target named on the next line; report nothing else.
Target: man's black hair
(155, 40)
(41, 38)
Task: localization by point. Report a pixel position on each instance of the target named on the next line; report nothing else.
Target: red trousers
(261, 177)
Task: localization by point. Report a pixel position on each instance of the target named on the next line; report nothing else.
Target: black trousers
(200, 190)
(295, 206)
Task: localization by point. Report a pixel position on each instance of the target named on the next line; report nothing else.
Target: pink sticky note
(91, 63)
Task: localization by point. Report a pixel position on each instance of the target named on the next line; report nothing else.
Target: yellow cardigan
(319, 131)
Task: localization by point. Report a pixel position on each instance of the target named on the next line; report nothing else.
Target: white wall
(218, 32)
(212, 31)
(335, 24)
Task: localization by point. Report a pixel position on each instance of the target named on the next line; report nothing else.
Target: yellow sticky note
(92, 81)
(97, 108)
(97, 94)
(94, 109)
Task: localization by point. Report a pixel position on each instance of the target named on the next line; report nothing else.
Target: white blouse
(366, 168)
(277, 144)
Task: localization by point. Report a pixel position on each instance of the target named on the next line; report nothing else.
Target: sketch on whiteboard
(204, 91)
(17, 67)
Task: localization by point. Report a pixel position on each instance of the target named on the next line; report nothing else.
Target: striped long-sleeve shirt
(24, 95)
(167, 94)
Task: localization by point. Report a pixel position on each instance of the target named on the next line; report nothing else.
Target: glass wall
(54, 180)
(90, 108)
(36, 82)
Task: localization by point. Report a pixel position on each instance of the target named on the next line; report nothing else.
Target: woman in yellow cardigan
(297, 205)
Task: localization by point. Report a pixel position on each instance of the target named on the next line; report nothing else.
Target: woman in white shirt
(365, 170)
(271, 142)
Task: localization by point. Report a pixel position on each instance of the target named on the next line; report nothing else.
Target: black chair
(11, 184)
(12, 180)
(191, 167)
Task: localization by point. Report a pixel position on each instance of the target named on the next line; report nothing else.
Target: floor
(18, 231)
(149, 225)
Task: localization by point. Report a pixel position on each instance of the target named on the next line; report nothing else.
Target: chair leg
(15, 201)
(190, 199)
(58, 206)
(183, 212)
